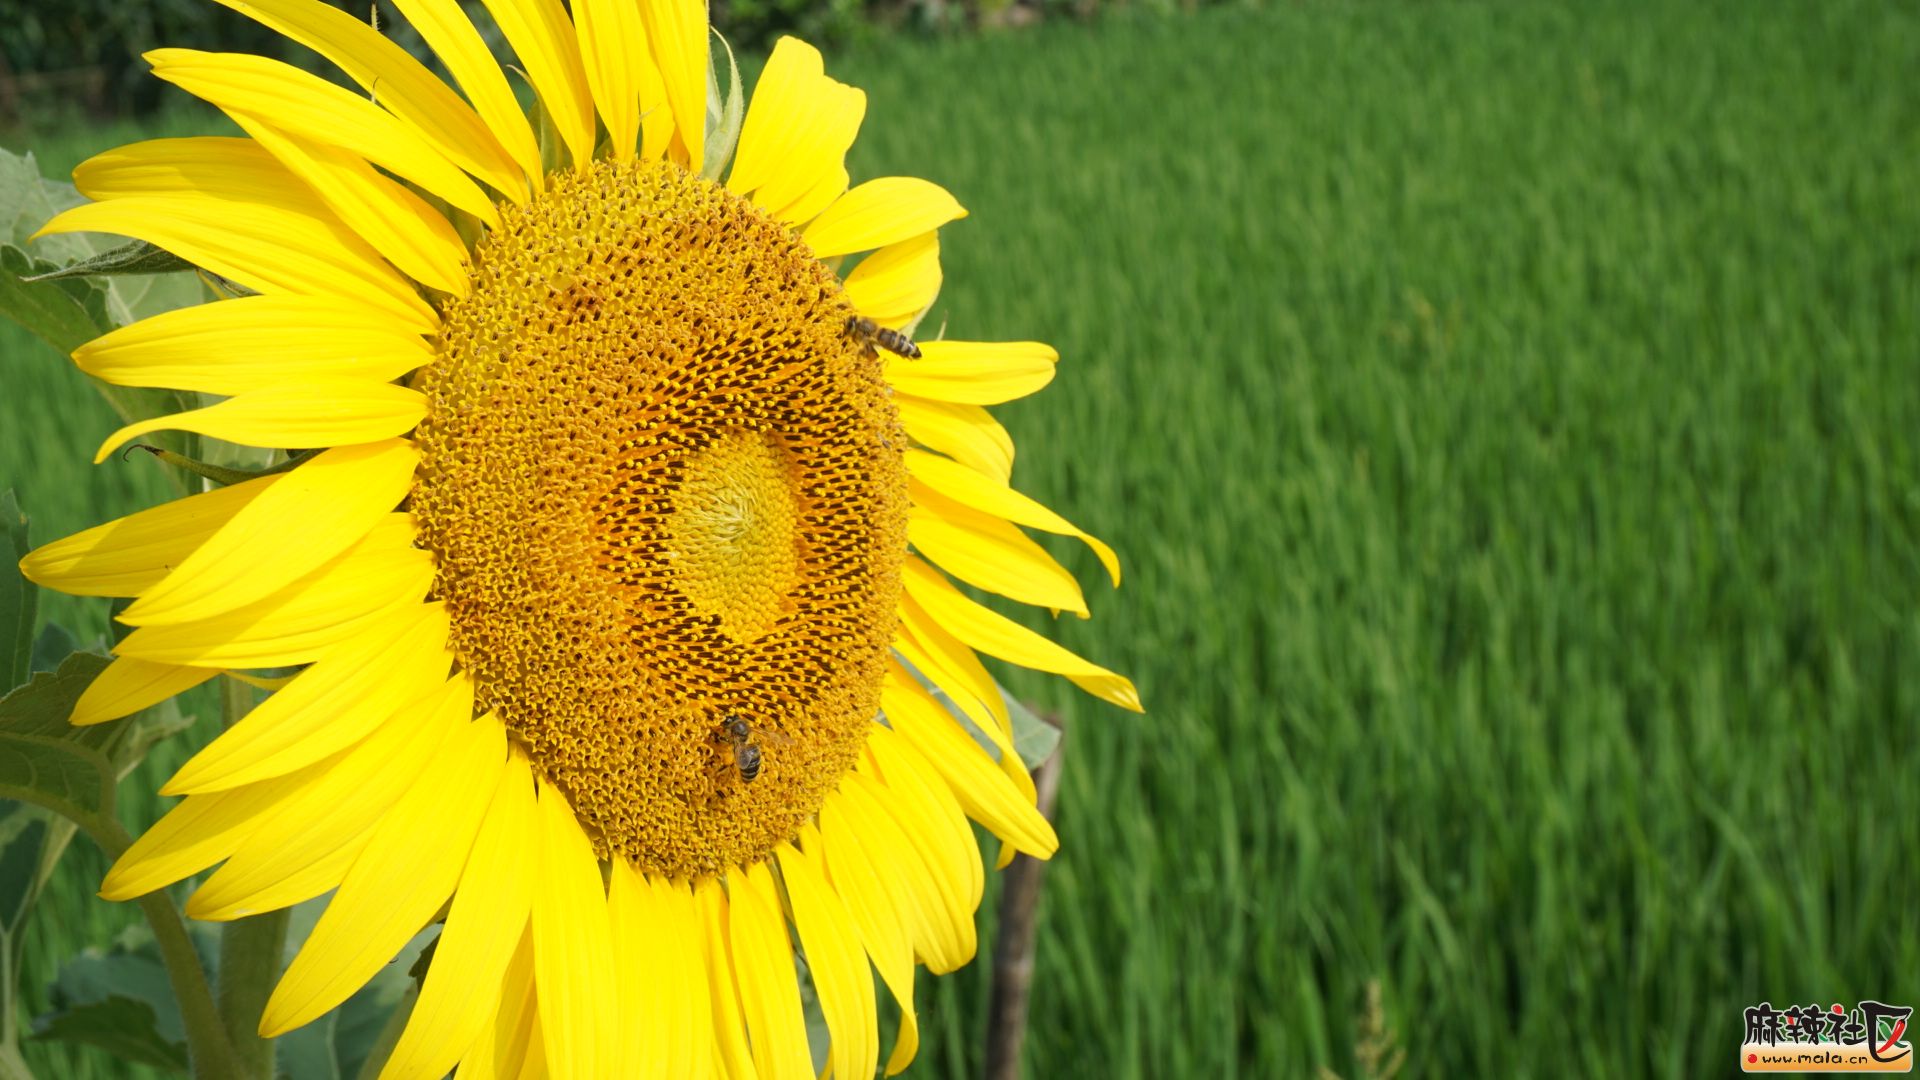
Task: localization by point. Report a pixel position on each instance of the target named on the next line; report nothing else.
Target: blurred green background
(1507, 415)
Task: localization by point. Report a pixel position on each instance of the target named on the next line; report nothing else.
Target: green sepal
(138, 257)
(220, 474)
(1034, 739)
(725, 115)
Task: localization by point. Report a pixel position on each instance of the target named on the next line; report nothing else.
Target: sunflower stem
(209, 1054)
(249, 964)
(250, 948)
(12, 1065)
(1013, 953)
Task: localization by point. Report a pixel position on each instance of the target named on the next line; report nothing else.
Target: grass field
(1507, 413)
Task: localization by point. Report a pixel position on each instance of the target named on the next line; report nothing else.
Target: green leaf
(18, 597)
(118, 999)
(69, 770)
(138, 257)
(66, 311)
(38, 762)
(65, 314)
(51, 645)
(28, 199)
(126, 1028)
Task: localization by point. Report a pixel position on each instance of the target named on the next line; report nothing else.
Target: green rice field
(1507, 414)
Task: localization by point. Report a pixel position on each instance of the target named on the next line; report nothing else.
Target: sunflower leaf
(69, 770)
(63, 313)
(120, 1000)
(38, 762)
(122, 1026)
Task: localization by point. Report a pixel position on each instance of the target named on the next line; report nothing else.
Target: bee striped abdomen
(871, 334)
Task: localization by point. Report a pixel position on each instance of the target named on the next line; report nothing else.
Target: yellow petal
(489, 914)
(334, 803)
(787, 93)
(958, 673)
(806, 205)
(984, 550)
(663, 986)
(237, 187)
(613, 49)
(317, 112)
(974, 373)
(926, 807)
(894, 285)
(572, 946)
(127, 686)
(970, 488)
(451, 35)
(318, 412)
(199, 831)
(297, 624)
(763, 966)
(404, 875)
(656, 116)
(505, 1042)
(129, 556)
(397, 80)
(732, 1056)
(264, 247)
(331, 705)
(814, 172)
(252, 343)
(320, 509)
(402, 226)
(996, 635)
(837, 964)
(544, 40)
(932, 908)
(966, 433)
(881, 212)
(677, 33)
(984, 792)
(878, 916)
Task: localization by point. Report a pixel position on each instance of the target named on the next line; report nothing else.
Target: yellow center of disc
(735, 518)
(664, 491)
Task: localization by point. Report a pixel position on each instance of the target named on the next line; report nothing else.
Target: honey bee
(746, 756)
(870, 333)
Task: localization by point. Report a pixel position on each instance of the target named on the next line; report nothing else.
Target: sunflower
(615, 562)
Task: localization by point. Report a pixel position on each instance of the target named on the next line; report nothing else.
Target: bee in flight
(870, 333)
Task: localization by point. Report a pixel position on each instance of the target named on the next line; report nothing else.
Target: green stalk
(249, 964)
(250, 948)
(208, 1052)
(12, 1065)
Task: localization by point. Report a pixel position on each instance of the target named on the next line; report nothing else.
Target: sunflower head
(664, 489)
(620, 589)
